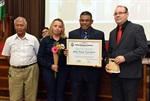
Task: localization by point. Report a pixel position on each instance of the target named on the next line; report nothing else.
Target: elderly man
(20, 50)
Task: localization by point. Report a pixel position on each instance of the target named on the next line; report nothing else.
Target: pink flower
(57, 47)
(54, 49)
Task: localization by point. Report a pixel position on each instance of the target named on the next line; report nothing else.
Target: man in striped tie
(88, 76)
(85, 35)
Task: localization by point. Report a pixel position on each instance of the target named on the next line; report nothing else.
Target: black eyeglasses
(120, 13)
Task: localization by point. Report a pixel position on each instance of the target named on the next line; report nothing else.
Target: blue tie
(85, 35)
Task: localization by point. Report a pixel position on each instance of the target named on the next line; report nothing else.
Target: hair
(44, 28)
(20, 18)
(63, 28)
(123, 7)
(86, 13)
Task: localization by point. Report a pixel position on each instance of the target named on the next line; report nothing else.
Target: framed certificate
(84, 52)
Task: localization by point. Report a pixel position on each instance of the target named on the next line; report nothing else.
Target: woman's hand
(54, 68)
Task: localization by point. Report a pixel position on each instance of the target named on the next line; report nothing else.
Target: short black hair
(44, 28)
(86, 13)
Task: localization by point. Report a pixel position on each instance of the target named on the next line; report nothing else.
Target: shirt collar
(51, 38)
(25, 37)
(124, 25)
(82, 31)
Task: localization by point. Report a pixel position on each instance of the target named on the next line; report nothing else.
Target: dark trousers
(90, 89)
(87, 77)
(55, 86)
(124, 89)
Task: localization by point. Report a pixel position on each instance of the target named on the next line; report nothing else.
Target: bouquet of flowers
(56, 49)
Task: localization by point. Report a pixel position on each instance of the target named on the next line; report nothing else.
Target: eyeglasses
(82, 20)
(120, 13)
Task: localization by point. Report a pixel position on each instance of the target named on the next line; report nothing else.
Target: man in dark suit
(86, 76)
(127, 54)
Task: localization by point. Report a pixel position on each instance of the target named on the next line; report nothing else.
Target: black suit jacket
(132, 46)
(90, 73)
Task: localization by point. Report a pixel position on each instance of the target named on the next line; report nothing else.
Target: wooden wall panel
(32, 10)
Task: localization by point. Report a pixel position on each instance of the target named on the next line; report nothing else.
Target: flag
(2, 9)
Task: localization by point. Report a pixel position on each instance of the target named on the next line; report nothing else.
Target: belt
(25, 66)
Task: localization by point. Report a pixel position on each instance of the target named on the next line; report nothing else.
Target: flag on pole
(2, 9)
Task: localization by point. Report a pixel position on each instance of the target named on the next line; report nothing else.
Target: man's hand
(66, 52)
(119, 59)
(97, 66)
(107, 69)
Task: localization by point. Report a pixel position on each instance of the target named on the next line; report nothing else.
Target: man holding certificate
(86, 76)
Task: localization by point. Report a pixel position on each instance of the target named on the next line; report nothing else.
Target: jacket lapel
(127, 29)
(91, 34)
(114, 37)
(77, 35)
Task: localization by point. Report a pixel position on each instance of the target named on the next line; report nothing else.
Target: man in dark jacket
(127, 54)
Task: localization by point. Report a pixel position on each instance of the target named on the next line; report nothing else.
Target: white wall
(102, 11)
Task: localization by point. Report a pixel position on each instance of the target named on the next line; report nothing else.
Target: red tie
(119, 34)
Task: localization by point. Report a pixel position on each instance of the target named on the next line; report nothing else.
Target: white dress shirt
(21, 51)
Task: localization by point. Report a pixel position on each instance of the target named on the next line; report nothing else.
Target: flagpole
(2, 17)
(3, 29)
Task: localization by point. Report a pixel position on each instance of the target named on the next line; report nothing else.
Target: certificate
(84, 52)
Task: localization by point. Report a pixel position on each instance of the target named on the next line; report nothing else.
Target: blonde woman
(55, 75)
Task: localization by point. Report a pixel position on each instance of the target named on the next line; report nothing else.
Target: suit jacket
(90, 73)
(132, 46)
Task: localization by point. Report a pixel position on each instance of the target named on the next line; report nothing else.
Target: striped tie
(85, 35)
